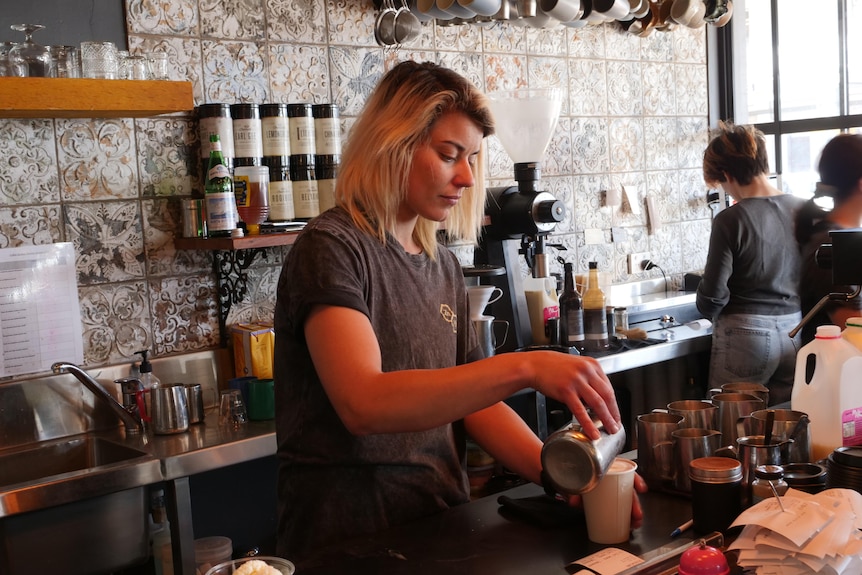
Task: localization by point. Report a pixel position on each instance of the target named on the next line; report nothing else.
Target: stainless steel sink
(62, 457)
(86, 495)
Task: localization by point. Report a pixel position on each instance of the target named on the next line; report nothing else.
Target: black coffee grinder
(519, 218)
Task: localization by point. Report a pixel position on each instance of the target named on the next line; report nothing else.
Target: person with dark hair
(379, 374)
(840, 169)
(751, 279)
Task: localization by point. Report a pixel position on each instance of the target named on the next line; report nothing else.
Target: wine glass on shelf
(6, 68)
(28, 58)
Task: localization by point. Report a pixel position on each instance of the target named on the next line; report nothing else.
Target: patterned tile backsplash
(635, 115)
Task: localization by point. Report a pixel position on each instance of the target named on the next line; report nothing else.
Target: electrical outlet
(634, 262)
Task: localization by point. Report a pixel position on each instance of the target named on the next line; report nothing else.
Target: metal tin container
(573, 463)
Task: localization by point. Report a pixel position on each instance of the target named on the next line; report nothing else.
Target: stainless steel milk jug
(573, 463)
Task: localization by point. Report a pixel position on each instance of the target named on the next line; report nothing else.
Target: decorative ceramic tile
(184, 59)
(691, 89)
(590, 145)
(168, 151)
(547, 41)
(587, 42)
(505, 72)
(234, 72)
(505, 38)
(665, 249)
(568, 252)
(232, 19)
(692, 192)
(108, 240)
(621, 45)
(693, 139)
(471, 66)
(625, 89)
(116, 322)
(185, 314)
(297, 21)
(464, 38)
(557, 160)
(659, 96)
(625, 213)
(544, 72)
(176, 18)
(30, 226)
(636, 240)
(347, 25)
(299, 74)
(664, 189)
(404, 53)
(659, 46)
(626, 144)
(588, 88)
(500, 165)
(590, 211)
(162, 223)
(694, 240)
(96, 159)
(258, 305)
(603, 254)
(355, 73)
(661, 138)
(28, 164)
(689, 45)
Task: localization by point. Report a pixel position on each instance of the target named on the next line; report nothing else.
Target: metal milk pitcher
(170, 409)
(574, 463)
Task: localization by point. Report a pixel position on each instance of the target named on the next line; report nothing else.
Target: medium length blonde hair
(396, 120)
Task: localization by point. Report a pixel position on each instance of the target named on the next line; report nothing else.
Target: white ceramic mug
(563, 10)
(430, 8)
(452, 7)
(482, 7)
(612, 9)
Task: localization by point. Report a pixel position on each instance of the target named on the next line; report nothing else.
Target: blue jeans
(755, 349)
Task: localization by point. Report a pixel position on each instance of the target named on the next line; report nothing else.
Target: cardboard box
(253, 349)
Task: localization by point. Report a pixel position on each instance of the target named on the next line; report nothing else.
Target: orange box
(253, 349)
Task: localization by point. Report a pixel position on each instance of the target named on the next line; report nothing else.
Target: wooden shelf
(87, 98)
(232, 244)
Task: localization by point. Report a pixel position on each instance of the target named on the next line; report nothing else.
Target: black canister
(327, 129)
(247, 134)
(326, 172)
(306, 197)
(716, 493)
(280, 189)
(215, 119)
(301, 124)
(275, 130)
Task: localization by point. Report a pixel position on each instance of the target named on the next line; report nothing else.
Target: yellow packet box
(253, 349)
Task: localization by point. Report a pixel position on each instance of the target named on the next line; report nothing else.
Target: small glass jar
(764, 475)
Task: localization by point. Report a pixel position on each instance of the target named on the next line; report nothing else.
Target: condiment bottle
(275, 130)
(853, 332)
(301, 122)
(765, 478)
(219, 196)
(280, 189)
(306, 199)
(595, 318)
(148, 379)
(571, 310)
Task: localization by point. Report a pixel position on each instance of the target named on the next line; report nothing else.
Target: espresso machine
(519, 218)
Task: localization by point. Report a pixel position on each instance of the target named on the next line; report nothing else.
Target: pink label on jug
(851, 426)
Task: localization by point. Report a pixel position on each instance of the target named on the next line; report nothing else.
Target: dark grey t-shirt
(753, 265)
(333, 484)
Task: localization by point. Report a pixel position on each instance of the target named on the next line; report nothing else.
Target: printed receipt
(40, 317)
(608, 561)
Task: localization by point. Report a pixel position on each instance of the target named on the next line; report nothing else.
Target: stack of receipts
(812, 534)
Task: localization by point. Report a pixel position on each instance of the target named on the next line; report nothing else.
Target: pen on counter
(687, 525)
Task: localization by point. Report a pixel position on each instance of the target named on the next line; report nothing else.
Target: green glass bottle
(219, 193)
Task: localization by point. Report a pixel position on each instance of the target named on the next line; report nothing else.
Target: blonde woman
(378, 371)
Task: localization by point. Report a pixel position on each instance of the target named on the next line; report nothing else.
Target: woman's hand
(580, 383)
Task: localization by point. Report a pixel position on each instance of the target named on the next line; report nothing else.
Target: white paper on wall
(40, 318)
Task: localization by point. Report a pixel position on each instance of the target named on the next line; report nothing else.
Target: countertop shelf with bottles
(89, 98)
(231, 244)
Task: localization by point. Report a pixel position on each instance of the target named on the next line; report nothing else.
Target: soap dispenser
(148, 378)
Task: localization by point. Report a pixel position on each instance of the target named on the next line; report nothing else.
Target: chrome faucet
(132, 422)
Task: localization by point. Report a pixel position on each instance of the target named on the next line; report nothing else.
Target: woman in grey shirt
(750, 286)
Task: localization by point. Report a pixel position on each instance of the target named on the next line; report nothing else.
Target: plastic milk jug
(853, 332)
(817, 388)
(542, 304)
